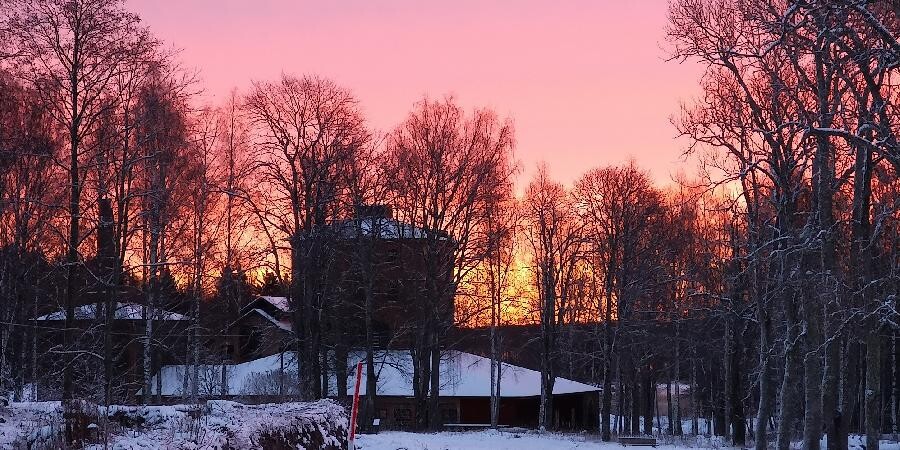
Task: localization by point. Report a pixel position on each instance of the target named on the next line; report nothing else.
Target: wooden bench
(637, 441)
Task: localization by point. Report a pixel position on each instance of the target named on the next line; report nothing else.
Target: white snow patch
(482, 440)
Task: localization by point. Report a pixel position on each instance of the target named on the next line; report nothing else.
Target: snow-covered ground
(497, 440)
(483, 440)
(222, 424)
(235, 425)
(31, 421)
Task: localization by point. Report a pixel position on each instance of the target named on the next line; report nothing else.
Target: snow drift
(221, 425)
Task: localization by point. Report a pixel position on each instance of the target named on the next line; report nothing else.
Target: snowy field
(323, 424)
(485, 440)
(494, 440)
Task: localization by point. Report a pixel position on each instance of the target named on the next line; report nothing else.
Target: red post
(354, 412)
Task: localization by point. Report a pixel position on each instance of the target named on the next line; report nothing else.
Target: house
(406, 271)
(466, 391)
(465, 388)
(129, 323)
(264, 326)
(371, 254)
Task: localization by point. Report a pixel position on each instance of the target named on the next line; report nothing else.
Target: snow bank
(320, 425)
(36, 423)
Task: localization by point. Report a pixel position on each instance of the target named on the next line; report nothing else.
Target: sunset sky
(586, 82)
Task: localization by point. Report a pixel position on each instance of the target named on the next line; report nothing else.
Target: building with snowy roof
(128, 326)
(123, 311)
(264, 326)
(464, 395)
(371, 254)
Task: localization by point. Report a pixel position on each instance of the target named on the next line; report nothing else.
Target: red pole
(354, 412)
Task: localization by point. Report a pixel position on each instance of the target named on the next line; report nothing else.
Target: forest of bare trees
(762, 288)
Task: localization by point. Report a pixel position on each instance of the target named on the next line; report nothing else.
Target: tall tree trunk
(670, 411)
(635, 393)
(861, 270)
(766, 376)
(548, 329)
(649, 401)
(434, 406)
(149, 311)
(728, 376)
(695, 396)
(606, 401)
(737, 417)
(421, 379)
(305, 372)
(495, 359)
(831, 385)
(195, 327)
(107, 256)
(895, 377)
(812, 379)
(371, 381)
(620, 401)
(676, 407)
(873, 390)
(788, 399)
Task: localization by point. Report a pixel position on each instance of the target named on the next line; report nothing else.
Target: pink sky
(586, 82)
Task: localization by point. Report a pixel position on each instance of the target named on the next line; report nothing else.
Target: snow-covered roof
(257, 377)
(281, 303)
(124, 311)
(282, 324)
(462, 375)
(382, 228)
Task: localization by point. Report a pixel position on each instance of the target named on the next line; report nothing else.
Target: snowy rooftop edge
(462, 374)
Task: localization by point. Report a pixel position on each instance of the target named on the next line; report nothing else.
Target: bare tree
(72, 51)
(554, 234)
(163, 138)
(502, 227)
(447, 167)
(309, 130)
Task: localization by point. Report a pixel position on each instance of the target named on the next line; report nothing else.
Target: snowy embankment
(221, 425)
(24, 423)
